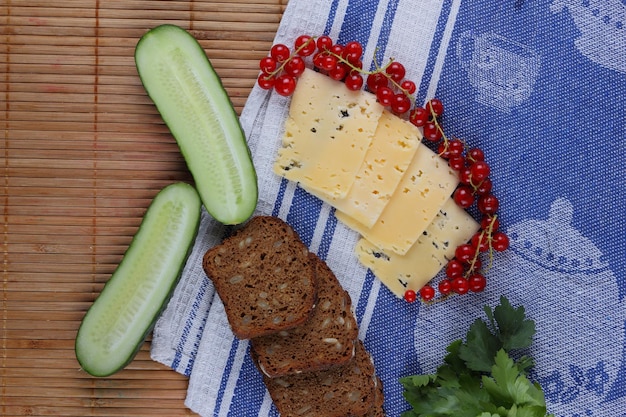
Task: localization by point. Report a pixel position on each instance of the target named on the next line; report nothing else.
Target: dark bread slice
(265, 276)
(342, 391)
(377, 409)
(327, 339)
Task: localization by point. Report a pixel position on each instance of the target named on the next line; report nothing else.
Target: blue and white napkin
(540, 86)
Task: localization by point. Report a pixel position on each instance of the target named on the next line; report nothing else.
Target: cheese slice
(424, 188)
(387, 159)
(451, 227)
(327, 134)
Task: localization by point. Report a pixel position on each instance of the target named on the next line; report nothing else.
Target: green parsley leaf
(478, 378)
(417, 380)
(508, 387)
(480, 347)
(514, 331)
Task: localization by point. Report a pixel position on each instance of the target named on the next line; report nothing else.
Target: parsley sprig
(478, 377)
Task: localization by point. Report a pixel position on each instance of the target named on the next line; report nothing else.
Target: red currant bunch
(340, 62)
(392, 90)
(464, 273)
(280, 70)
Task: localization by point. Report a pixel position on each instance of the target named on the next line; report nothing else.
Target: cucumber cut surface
(126, 310)
(189, 95)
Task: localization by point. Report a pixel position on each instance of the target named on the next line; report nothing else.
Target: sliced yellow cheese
(388, 157)
(451, 227)
(424, 188)
(327, 134)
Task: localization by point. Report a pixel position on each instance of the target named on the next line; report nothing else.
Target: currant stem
(486, 234)
(291, 56)
(377, 69)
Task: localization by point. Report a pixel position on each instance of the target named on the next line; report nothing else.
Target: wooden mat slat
(83, 153)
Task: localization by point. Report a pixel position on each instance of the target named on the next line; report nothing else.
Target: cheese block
(327, 134)
(424, 188)
(388, 157)
(451, 227)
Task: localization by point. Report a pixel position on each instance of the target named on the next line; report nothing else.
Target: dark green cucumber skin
(250, 196)
(163, 305)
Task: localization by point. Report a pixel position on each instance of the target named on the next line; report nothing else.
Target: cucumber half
(126, 310)
(189, 95)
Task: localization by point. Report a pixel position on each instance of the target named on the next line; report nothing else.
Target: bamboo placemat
(83, 153)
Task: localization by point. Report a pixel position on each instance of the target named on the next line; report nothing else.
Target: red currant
(375, 81)
(465, 252)
(477, 282)
(443, 151)
(481, 241)
(488, 204)
(427, 293)
(463, 196)
(267, 64)
(339, 72)
(465, 176)
(445, 286)
(408, 86)
(480, 171)
(353, 51)
(325, 61)
(265, 81)
(484, 187)
(460, 285)
(500, 241)
(384, 95)
(432, 132)
(410, 296)
(489, 223)
(476, 154)
(357, 65)
(336, 49)
(280, 52)
(435, 106)
(285, 85)
(418, 116)
(354, 81)
(456, 147)
(295, 66)
(324, 43)
(474, 264)
(318, 58)
(454, 268)
(396, 71)
(400, 103)
(305, 45)
(456, 162)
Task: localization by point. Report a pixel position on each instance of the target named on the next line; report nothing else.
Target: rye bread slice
(265, 277)
(377, 409)
(327, 339)
(342, 391)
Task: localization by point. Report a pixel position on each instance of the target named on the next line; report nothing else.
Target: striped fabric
(540, 86)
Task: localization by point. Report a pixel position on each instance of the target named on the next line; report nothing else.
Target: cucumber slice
(189, 95)
(126, 310)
